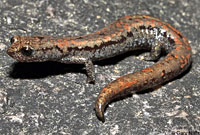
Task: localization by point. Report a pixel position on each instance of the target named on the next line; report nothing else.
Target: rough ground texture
(54, 98)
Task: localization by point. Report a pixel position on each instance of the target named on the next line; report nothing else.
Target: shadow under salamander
(35, 70)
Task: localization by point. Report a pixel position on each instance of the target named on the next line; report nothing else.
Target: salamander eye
(27, 51)
(13, 40)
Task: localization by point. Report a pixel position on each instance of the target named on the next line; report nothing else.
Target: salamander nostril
(27, 51)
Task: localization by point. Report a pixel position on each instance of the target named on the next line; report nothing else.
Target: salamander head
(32, 49)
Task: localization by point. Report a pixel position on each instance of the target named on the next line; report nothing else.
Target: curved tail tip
(100, 113)
(100, 116)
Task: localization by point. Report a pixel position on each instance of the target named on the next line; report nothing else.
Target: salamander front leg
(89, 67)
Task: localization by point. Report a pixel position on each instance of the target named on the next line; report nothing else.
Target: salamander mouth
(20, 57)
(10, 52)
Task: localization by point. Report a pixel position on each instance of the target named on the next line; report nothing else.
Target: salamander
(136, 32)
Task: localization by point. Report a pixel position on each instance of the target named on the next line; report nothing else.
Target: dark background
(54, 98)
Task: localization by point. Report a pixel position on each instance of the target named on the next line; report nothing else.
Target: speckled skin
(126, 34)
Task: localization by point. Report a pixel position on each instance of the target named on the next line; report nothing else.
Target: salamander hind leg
(155, 52)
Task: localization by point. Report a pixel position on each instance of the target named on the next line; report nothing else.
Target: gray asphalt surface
(54, 98)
